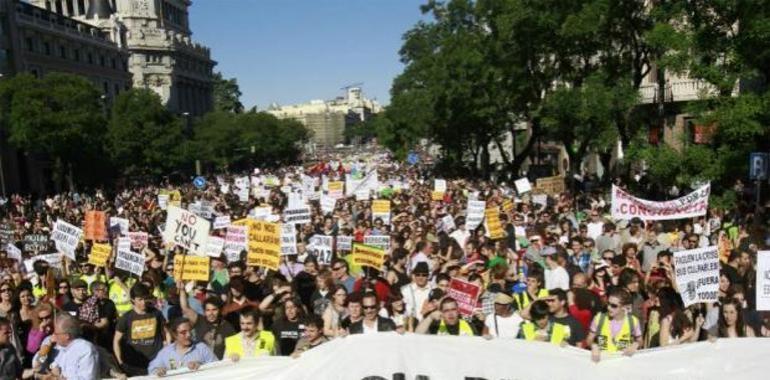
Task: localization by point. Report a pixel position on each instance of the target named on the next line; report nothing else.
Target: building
(328, 119)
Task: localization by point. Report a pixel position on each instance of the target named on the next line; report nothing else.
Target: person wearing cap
(416, 292)
(445, 321)
(542, 328)
(504, 322)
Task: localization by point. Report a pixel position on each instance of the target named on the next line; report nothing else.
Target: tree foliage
(227, 94)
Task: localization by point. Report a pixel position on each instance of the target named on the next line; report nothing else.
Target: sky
(292, 51)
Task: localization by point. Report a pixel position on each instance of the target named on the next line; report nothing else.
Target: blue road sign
(412, 158)
(199, 182)
(758, 166)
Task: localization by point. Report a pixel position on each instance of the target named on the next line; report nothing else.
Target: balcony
(680, 90)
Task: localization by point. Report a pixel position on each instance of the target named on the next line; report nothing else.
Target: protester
(504, 322)
(445, 321)
(77, 358)
(10, 365)
(251, 341)
(616, 330)
(183, 353)
(139, 334)
(372, 322)
(312, 338)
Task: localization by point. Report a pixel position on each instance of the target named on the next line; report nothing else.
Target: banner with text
(367, 256)
(626, 206)
(697, 275)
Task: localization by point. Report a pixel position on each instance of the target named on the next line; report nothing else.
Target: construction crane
(345, 88)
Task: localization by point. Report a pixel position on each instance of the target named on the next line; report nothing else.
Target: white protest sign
(625, 206)
(697, 275)
(296, 201)
(321, 247)
(259, 213)
(475, 214)
(541, 199)
(363, 195)
(66, 237)
(379, 241)
(344, 243)
(522, 185)
(763, 280)
(162, 201)
(124, 244)
(131, 262)
(439, 185)
(327, 204)
(13, 252)
(235, 242)
(221, 222)
(214, 246)
(224, 188)
(122, 223)
(242, 188)
(288, 239)
(308, 184)
(299, 215)
(186, 230)
(448, 223)
(53, 259)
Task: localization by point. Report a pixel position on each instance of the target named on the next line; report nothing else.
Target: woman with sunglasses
(42, 327)
(6, 299)
(63, 293)
(616, 330)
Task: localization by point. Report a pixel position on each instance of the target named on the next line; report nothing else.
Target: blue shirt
(78, 361)
(198, 352)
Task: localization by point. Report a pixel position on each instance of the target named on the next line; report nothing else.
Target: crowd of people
(563, 272)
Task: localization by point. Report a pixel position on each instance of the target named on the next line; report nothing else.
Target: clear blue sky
(292, 51)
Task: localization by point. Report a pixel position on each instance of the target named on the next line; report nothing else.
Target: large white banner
(187, 230)
(697, 275)
(763, 280)
(392, 356)
(626, 206)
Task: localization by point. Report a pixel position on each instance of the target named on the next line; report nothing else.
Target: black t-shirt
(72, 308)
(142, 336)
(577, 332)
(287, 334)
(213, 335)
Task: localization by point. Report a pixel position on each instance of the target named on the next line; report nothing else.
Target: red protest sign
(96, 226)
(466, 295)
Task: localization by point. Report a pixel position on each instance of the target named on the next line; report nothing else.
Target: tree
(143, 137)
(227, 94)
(60, 116)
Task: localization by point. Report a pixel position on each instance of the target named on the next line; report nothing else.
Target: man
(609, 239)
(534, 289)
(341, 274)
(184, 352)
(557, 306)
(505, 322)
(421, 255)
(77, 359)
(108, 314)
(86, 310)
(461, 234)
(579, 254)
(211, 329)
(89, 275)
(251, 341)
(314, 337)
(372, 322)
(416, 292)
(139, 333)
(79, 290)
(616, 330)
(542, 328)
(556, 277)
(445, 321)
(10, 365)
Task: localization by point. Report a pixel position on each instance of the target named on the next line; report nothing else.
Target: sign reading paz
(366, 256)
(697, 275)
(191, 268)
(187, 230)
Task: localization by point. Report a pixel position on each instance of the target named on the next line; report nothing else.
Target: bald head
(580, 280)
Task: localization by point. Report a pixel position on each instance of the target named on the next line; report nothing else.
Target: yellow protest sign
(381, 206)
(437, 196)
(194, 268)
(336, 189)
(507, 205)
(264, 240)
(174, 197)
(550, 185)
(100, 253)
(494, 227)
(367, 256)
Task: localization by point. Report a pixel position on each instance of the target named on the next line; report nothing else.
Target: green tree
(143, 137)
(227, 94)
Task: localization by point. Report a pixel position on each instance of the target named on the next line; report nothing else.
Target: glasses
(5, 290)
(44, 317)
(613, 305)
(369, 307)
(337, 268)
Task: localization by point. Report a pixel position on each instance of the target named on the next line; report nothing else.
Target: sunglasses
(44, 317)
(336, 268)
(5, 290)
(421, 275)
(369, 307)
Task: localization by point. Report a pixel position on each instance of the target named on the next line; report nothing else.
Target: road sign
(758, 166)
(199, 182)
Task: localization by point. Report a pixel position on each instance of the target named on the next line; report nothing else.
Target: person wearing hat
(85, 309)
(505, 321)
(416, 292)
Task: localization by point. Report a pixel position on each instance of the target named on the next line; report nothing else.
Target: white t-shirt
(507, 327)
(369, 330)
(556, 278)
(594, 229)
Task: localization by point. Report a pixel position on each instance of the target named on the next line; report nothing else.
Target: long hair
(740, 328)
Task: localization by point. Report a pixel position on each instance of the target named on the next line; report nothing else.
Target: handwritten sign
(264, 244)
(344, 243)
(288, 240)
(191, 268)
(697, 275)
(138, 239)
(381, 209)
(299, 215)
(100, 253)
(466, 294)
(96, 226)
(336, 189)
(236, 241)
(379, 241)
(214, 246)
(187, 230)
(321, 247)
(66, 237)
(221, 222)
(367, 256)
(131, 262)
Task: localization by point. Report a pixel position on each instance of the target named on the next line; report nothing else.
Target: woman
(24, 304)
(63, 294)
(731, 323)
(631, 251)
(395, 309)
(6, 299)
(336, 312)
(397, 276)
(321, 298)
(42, 327)
(287, 329)
(630, 280)
(601, 280)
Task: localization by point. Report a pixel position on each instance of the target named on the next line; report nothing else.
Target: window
(30, 44)
(106, 88)
(90, 58)
(114, 63)
(47, 48)
(117, 89)
(77, 55)
(101, 61)
(62, 52)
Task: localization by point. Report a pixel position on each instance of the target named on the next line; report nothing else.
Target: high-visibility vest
(121, 298)
(465, 329)
(622, 340)
(523, 300)
(265, 344)
(90, 279)
(557, 332)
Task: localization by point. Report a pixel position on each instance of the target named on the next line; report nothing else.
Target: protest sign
(439, 185)
(131, 262)
(162, 201)
(522, 185)
(437, 196)
(288, 239)
(492, 221)
(466, 294)
(13, 252)
(320, 246)
(344, 243)
(99, 255)
(264, 242)
(138, 239)
(96, 226)
(550, 185)
(475, 214)
(124, 244)
(173, 197)
(367, 256)
(379, 241)
(697, 275)
(214, 246)
(763, 281)
(6, 234)
(259, 213)
(221, 222)
(242, 188)
(336, 189)
(363, 195)
(35, 242)
(447, 224)
(381, 209)
(327, 204)
(625, 206)
(191, 268)
(507, 206)
(299, 215)
(53, 259)
(541, 199)
(186, 230)
(66, 237)
(235, 242)
(121, 223)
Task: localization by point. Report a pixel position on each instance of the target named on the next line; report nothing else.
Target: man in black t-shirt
(139, 334)
(209, 328)
(557, 307)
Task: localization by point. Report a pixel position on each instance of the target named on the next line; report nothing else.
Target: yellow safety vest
(624, 339)
(557, 332)
(90, 279)
(265, 344)
(465, 329)
(121, 298)
(39, 291)
(523, 300)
